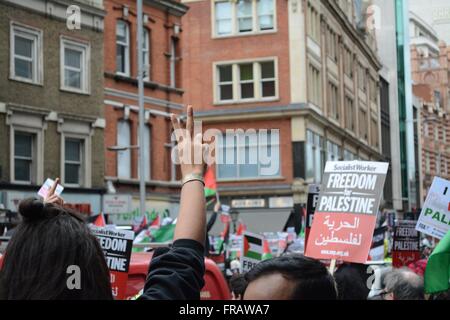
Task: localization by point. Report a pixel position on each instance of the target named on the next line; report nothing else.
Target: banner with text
(434, 218)
(347, 209)
(406, 247)
(116, 245)
(313, 197)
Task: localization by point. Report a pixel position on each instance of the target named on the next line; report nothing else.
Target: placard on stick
(434, 219)
(346, 213)
(116, 245)
(406, 247)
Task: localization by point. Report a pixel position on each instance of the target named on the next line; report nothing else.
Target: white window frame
(127, 150)
(235, 23)
(173, 61)
(81, 163)
(318, 147)
(37, 60)
(33, 164)
(334, 151)
(147, 153)
(85, 49)
(126, 44)
(72, 129)
(146, 52)
(257, 81)
(315, 89)
(313, 25)
(33, 124)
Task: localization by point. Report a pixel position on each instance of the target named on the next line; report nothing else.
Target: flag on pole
(100, 220)
(210, 183)
(437, 272)
(224, 236)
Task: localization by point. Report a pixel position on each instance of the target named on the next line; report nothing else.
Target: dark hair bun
(32, 209)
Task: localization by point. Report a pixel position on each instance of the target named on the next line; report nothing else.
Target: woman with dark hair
(52, 238)
(49, 240)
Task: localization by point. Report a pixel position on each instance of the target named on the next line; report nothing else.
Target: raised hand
(52, 197)
(190, 148)
(191, 223)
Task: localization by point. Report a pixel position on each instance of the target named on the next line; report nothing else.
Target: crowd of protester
(52, 237)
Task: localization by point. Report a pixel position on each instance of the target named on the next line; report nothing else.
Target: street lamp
(234, 214)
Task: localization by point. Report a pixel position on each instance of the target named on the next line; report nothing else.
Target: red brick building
(300, 67)
(163, 95)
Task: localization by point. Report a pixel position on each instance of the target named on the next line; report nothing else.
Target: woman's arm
(192, 216)
(177, 273)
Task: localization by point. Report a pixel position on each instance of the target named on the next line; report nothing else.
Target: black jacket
(176, 273)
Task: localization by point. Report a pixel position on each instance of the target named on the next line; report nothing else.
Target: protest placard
(434, 219)
(311, 203)
(116, 245)
(377, 249)
(252, 250)
(45, 188)
(406, 247)
(346, 211)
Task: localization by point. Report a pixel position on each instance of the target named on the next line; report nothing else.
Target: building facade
(430, 68)
(307, 71)
(390, 132)
(163, 95)
(51, 115)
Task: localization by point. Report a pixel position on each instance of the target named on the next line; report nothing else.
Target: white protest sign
(434, 218)
(43, 191)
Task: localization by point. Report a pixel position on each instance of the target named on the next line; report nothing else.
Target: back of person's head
(238, 285)
(351, 280)
(48, 241)
(404, 284)
(290, 277)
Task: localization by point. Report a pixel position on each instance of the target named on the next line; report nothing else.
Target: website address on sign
(336, 253)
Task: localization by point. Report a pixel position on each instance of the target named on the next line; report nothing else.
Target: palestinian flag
(253, 247)
(437, 272)
(164, 233)
(210, 183)
(156, 222)
(141, 225)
